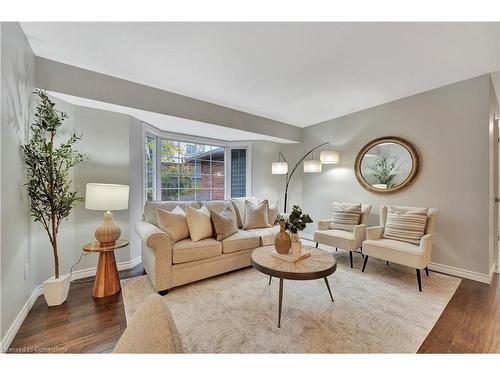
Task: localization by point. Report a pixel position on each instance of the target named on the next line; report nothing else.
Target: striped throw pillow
(345, 216)
(407, 225)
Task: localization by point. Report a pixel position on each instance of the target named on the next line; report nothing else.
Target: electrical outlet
(26, 270)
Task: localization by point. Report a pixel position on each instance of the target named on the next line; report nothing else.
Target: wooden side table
(107, 281)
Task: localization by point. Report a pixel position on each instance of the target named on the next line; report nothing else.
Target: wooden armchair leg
(350, 257)
(427, 271)
(316, 245)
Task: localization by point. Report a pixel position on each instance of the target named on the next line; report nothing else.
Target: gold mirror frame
(416, 164)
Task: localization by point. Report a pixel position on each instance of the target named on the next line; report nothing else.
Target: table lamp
(107, 197)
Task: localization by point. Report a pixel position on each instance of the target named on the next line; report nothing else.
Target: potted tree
(49, 186)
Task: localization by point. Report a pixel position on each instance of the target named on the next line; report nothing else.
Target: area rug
(379, 311)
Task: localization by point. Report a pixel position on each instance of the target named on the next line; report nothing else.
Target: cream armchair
(404, 253)
(341, 239)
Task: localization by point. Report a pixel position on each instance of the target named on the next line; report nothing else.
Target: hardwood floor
(470, 322)
(83, 324)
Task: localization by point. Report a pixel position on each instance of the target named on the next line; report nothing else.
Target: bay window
(178, 169)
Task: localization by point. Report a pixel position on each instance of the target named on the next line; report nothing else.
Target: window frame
(151, 131)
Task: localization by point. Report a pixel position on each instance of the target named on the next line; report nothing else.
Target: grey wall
(450, 127)
(265, 184)
(105, 137)
(17, 78)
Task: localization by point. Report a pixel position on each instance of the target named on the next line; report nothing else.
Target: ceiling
(297, 73)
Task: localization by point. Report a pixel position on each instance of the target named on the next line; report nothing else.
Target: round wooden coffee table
(107, 281)
(319, 265)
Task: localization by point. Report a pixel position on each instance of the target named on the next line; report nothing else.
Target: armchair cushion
(345, 216)
(337, 238)
(406, 225)
(395, 251)
(151, 330)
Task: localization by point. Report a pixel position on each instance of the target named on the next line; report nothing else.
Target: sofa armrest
(156, 253)
(374, 233)
(426, 246)
(324, 224)
(360, 233)
(151, 235)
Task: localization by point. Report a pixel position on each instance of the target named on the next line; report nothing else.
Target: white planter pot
(56, 291)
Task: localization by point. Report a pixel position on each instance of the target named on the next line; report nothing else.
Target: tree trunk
(54, 246)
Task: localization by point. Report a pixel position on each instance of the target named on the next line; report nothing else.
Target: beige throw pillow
(173, 223)
(407, 225)
(199, 224)
(224, 223)
(256, 216)
(345, 216)
(273, 212)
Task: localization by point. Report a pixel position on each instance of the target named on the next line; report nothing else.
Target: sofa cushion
(224, 223)
(188, 250)
(266, 235)
(173, 223)
(151, 209)
(241, 240)
(199, 223)
(256, 216)
(406, 225)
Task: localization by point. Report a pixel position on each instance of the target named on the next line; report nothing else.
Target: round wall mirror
(387, 165)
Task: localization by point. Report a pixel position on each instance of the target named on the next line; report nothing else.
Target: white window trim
(149, 130)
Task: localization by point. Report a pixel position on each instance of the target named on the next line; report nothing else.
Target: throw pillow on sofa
(173, 223)
(199, 224)
(273, 212)
(345, 216)
(256, 216)
(224, 223)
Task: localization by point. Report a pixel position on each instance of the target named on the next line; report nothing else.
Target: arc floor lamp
(310, 166)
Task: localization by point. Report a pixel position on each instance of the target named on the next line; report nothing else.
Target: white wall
(17, 78)
(450, 127)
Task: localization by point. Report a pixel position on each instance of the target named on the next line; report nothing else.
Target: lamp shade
(106, 197)
(312, 166)
(279, 167)
(329, 157)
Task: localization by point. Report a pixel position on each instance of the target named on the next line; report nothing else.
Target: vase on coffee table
(282, 241)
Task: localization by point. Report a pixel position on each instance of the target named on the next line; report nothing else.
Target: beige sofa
(169, 264)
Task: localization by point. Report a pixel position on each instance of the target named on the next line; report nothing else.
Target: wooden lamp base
(108, 232)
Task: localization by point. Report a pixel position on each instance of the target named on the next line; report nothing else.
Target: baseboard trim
(16, 324)
(460, 272)
(38, 291)
(454, 271)
(307, 236)
(89, 272)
